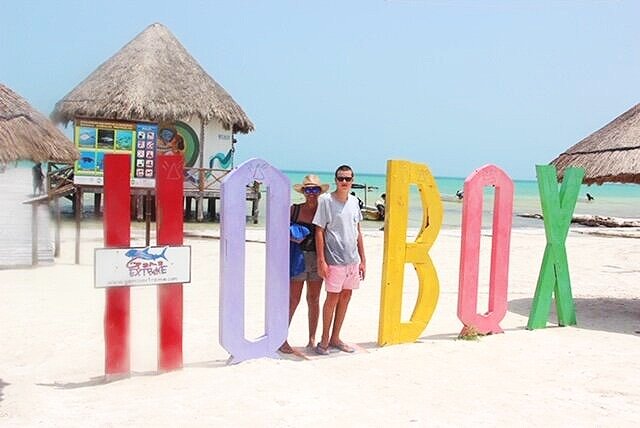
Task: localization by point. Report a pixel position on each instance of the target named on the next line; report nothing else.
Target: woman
(302, 214)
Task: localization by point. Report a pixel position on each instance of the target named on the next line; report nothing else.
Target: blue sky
(454, 85)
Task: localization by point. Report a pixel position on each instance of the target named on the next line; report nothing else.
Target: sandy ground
(52, 359)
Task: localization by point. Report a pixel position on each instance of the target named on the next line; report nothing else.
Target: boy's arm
(363, 260)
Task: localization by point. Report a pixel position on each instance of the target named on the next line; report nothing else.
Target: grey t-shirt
(340, 223)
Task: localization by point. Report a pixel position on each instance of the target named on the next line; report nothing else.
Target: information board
(95, 138)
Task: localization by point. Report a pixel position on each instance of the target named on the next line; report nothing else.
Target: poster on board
(95, 138)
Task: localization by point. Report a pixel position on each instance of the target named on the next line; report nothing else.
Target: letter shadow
(615, 315)
(106, 379)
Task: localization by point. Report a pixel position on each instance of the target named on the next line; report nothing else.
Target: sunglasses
(314, 190)
(347, 179)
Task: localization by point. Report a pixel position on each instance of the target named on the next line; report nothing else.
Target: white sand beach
(52, 359)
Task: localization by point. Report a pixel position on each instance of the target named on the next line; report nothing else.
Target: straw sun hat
(311, 181)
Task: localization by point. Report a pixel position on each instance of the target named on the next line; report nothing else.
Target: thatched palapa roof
(152, 78)
(611, 154)
(27, 134)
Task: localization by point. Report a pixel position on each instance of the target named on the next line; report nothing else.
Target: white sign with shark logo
(123, 267)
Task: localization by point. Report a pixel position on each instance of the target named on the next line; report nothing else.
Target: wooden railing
(203, 179)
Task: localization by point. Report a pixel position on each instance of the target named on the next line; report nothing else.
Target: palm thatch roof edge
(27, 134)
(152, 78)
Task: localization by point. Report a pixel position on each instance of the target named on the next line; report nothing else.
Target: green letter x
(557, 210)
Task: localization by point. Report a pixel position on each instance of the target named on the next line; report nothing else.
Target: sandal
(320, 350)
(343, 347)
(286, 348)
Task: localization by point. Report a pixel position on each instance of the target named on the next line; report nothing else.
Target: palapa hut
(611, 154)
(25, 134)
(154, 79)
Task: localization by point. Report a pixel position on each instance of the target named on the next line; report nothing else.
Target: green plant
(469, 332)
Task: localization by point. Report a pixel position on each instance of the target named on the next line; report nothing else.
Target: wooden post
(78, 214)
(147, 218)
(199, 205)
(366, 190)
(255, 202)
(97, 202)
(139, 207)
(200, 201)
(56, 203)
(34, 234)
(188, 202)
(213, 209)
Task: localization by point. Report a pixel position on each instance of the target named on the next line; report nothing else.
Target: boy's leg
(341, 312)
(328, 311)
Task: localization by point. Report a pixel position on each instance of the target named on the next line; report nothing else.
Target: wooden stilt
(78, 213)
(34, 234)
(56, 251)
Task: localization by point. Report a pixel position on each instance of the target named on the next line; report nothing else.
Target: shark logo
(145, 254)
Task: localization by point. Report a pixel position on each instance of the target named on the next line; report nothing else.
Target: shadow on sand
(610, 314)
(2, 385)
(106, 379)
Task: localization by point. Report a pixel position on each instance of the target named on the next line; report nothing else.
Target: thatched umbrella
(27, 134)
(153, 78)
(611, 154)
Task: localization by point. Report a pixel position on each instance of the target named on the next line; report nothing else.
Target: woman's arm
(322, 263)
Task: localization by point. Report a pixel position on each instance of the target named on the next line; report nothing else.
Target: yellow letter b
(398, 252)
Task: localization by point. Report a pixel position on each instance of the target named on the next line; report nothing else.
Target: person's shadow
(615, 315)
(2, 385)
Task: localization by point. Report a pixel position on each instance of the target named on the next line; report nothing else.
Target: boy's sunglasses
(347, 179)
(311, 190)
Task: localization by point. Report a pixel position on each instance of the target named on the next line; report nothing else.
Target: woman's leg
(313, 302)
(295, 292)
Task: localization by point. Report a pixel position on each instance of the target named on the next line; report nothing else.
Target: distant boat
(450, 198)
(371, 213)
(363, 186)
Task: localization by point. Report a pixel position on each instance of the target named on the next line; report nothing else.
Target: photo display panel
(95, 138)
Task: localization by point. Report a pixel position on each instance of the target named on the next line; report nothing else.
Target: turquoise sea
(615, 200)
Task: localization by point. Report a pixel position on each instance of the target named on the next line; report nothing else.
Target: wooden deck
(202, 185)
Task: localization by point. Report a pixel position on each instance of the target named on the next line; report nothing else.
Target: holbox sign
(120, 267)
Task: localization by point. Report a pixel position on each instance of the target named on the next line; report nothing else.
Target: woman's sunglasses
(347, 179)
(311, 190)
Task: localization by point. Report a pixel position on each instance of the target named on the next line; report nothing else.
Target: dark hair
(343, 168)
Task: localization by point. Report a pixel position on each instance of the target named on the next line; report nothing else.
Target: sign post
(117, 230)
(169, 192)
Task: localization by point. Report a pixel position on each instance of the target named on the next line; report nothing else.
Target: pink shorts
(342, 278)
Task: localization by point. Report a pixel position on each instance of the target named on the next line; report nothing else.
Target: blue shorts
(310, 272)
